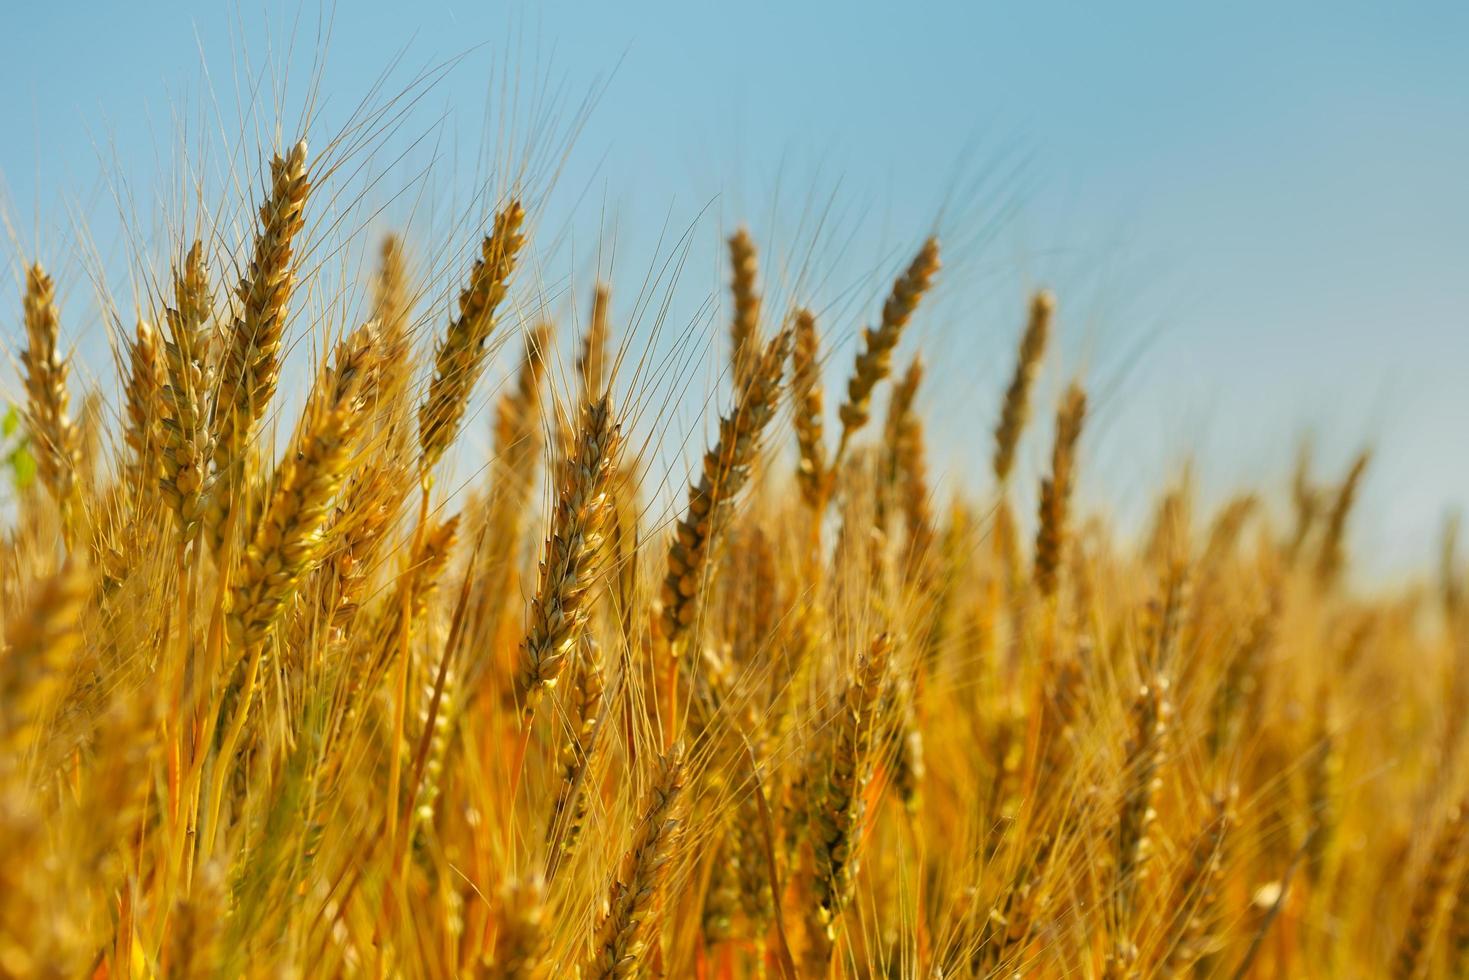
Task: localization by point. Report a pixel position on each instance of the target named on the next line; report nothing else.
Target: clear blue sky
(1256, 214)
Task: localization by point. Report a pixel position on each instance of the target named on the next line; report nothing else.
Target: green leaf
(24, 466)
(10, 422)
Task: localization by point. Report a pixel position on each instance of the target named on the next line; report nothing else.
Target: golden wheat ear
(143, 410)
(288, 540)
(573, 556)
(808, 398)
(875, 361)
(1427, 903)
(460, 357)
(627, 926)
(726, 469)
(524, 936)
(56, 441)
(41, 645)
(249, 365)
(1055, 503)
(1015, 411)
(838, 804)
(185, 478)
(392, 311)
(1333, 547)
(744, 327)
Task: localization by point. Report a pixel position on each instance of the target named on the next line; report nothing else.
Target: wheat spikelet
(1012, 918)
(1015, 411)
(57, 441)
(411, 594)
(725, 471)
(622, 935)
(1055, 503)
(875, 361)
(1458, 926)
(460, 355)
(1306, 499)
(574, 553)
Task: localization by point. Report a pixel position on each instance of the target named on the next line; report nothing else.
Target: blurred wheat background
(607, 502)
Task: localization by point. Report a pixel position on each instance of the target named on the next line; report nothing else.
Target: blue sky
(1254, 214)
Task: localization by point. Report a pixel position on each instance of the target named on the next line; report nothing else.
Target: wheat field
(281, 698)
